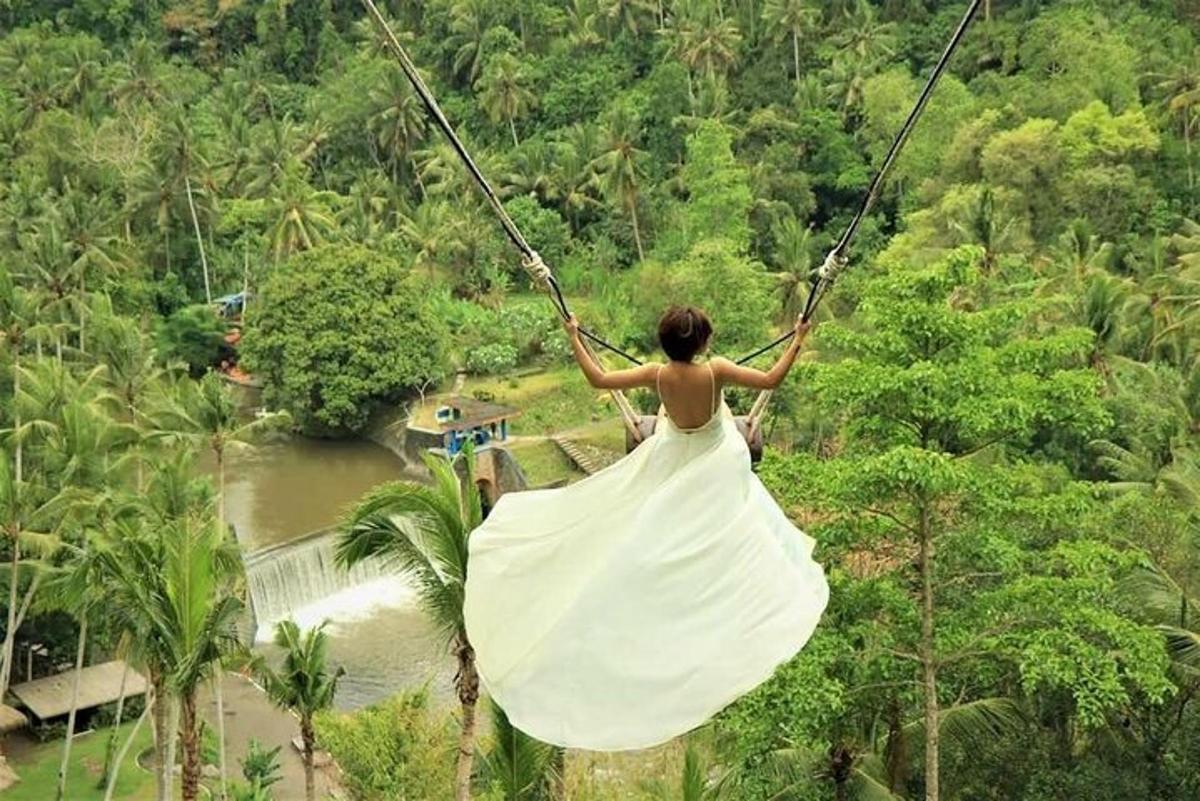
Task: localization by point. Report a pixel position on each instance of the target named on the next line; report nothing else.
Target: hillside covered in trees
(994, 437)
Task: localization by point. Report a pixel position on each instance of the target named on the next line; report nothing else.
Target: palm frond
(976, 723)
(517, 764)
(1183, 646)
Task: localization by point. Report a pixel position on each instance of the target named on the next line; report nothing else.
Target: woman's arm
(733, 373)
(640, 376)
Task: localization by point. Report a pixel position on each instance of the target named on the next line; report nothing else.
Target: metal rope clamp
(536, 269)
(833, 266)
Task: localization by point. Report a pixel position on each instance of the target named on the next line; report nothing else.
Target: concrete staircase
(582, 460)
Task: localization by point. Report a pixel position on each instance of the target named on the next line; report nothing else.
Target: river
(277, 493)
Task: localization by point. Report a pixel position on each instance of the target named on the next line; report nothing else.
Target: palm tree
(87, 225)
(303, 684)
(505, 93)
(986, 224)
(83, 77)
(398, 119)
(794, 258)
(78, 593)
(628, 15)
(619, 167)
(712, 45)
(581, 24)
(303, 217)
(865, 36)
(181, 160)
(1103, 303)
(1182, 88)
(469, 21)
(84, 448)
(30, 513)
(574, 172)
(205, 414)
(167, 584)
(791, 19)
(280, 150)
(432, 232)
(139, 81)
(860, 761)
(1186, 244)
(173, 492)
(518, 767)
(55, 277)
(423, 530)
(531, 172)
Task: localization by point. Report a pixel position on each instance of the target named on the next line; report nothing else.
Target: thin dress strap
(712, 377)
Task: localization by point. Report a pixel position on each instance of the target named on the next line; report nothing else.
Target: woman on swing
(630, 607)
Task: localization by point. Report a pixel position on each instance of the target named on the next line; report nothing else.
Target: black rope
(820, 283)
(510, 228)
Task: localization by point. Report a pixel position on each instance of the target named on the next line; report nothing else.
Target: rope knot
(539, 273)
(833, 266)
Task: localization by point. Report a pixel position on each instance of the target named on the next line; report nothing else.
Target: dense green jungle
(226, 223)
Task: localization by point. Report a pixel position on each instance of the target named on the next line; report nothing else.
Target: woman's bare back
(690, 392)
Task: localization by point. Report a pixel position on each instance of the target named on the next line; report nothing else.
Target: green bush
(399, 748)
(339, 330)
(193, 335)
(498, 357)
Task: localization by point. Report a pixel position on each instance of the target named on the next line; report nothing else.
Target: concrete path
(249, 715)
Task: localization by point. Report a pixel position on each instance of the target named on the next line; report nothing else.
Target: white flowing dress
(629, 608)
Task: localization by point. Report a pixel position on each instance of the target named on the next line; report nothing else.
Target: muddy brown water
(279, 493)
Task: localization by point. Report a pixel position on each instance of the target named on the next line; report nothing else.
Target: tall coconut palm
(791, 19)
(303, 684)
(711, 45)
(88, 227)
(625, 15)
(1182, 89)
(85, 449)
(167, 584)
(280, 149)
(30, 513)
(469, 21)
(303, 217)
(423, 530)
(574, 174)
(397, 120)
(432, 232)
(530, 172)
(54, 275)
(504, 92)
(185, 164)
(77, 592)
(205, 414)
(794, 257)
(138, 81)
(619, 166)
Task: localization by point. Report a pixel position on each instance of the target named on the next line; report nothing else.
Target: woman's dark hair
(683, 332)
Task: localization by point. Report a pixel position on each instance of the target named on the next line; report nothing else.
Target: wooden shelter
(461, 419)
(50, 697)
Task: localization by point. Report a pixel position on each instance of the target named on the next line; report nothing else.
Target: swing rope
(539, 273)
(836, 261)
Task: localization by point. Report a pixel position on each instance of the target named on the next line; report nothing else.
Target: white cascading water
(304, 582)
